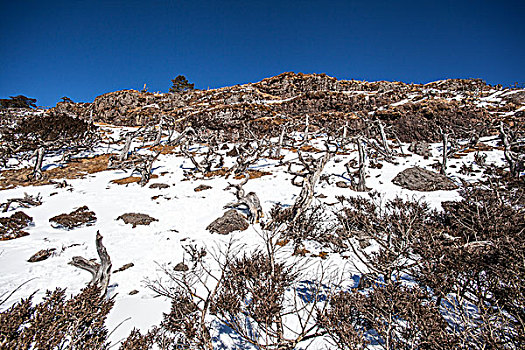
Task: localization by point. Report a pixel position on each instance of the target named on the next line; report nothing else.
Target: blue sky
(82, 49)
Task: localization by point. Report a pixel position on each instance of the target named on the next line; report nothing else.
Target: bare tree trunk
(384, 141)
(26, 202)
(306, 133)
(507, 152)
(308, 189)
(183, 134)
(445, 145)
(400, 145)
(124, 153)
(159, 134)
(361, 186)
(251, 201)
(101, 272)
(37, 170)
(281, 140)
(145, 169)
(345, 134)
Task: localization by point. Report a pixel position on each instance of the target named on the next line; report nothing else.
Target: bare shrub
(391, 316)
(57, 323)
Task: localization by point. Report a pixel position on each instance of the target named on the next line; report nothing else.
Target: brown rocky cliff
(289, 97)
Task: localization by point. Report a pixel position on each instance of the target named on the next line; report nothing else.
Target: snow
(183, 216)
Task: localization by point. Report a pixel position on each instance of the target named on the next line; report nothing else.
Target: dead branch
(26, 202)
(312, 169)
(145, 168)
(250, 200)
(184, 134)
(37, 170)
(101, 272)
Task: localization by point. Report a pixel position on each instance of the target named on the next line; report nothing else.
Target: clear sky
(82, 49)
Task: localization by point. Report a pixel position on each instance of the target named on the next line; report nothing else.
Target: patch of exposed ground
(130, 180)
(76, 168)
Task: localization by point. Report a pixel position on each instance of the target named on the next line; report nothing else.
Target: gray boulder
(418, 179)
(229, 222)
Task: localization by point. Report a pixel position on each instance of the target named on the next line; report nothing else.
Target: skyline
(82, 49)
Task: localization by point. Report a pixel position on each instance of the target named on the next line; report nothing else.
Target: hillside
(267, 215)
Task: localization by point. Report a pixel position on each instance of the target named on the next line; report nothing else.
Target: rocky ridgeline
(414, 111)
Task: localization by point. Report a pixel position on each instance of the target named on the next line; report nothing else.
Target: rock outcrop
(412, 112)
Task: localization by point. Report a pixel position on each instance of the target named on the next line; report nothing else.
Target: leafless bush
(57, 323)
(478, 263)
(391, 226)
(390, 316)
(255, 295)
(469, 260)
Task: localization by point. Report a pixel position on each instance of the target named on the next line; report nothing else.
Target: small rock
(77, 218)
(133, 292)
(202, 188)
(341, 184)
(418, 179)
(41, 255)
(181, 267)
(159, 185)
(124, 267)
(229, 222)
(136, 219)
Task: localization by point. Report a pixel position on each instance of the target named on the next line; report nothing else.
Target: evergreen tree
(180, 83)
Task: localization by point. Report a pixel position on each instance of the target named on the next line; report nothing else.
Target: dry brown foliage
(76, 168)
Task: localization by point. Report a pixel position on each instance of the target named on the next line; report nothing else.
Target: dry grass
(306, 148)
(254, 174)
(219, 172)
(164, 149)
(75, 169)
(130, 180)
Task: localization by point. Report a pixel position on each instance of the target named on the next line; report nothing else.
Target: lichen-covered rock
(136, 219)
(229, 222)
(412, 111)
(78, 217)
(418, 179)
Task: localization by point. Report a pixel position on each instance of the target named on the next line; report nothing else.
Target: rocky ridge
(415, 112)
